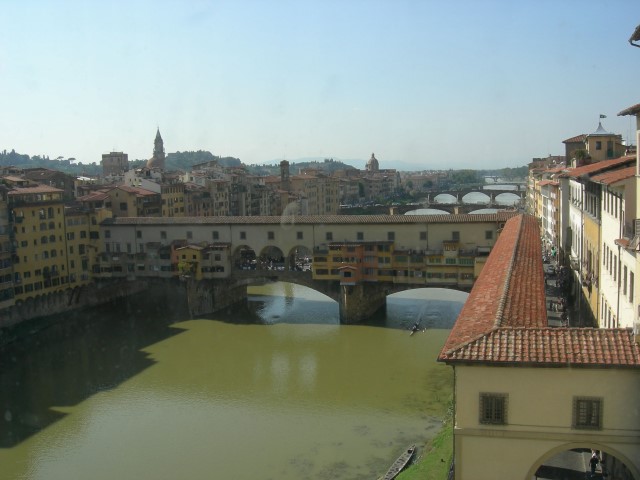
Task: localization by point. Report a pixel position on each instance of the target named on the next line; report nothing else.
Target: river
(274, 390)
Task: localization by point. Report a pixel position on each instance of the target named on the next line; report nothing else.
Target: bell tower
(157, 161)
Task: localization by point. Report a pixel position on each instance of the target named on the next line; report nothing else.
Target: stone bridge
(356, 260)
(459, 194)
(356, 302)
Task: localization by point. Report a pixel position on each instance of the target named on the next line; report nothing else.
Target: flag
(603, 116)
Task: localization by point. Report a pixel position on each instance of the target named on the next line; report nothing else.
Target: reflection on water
(276, 390)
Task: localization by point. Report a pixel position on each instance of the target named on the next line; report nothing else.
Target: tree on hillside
(464, 177)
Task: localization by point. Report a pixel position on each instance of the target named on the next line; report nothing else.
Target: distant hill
(60, 164)
(185, 160)
(327, 165)
(174, 161)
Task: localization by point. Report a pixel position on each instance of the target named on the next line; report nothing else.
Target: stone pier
(359, 302)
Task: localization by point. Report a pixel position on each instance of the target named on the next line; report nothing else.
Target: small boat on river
(400, 463)
(415, 328)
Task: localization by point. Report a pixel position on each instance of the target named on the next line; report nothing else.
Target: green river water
(275, 390)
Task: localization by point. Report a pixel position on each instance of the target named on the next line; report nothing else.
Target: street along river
(274, 390)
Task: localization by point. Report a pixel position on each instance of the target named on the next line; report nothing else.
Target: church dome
(372, 164)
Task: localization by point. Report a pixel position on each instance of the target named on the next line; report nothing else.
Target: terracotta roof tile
(577, 138)
(615, 176)
(504, 319)
(34, 189)
(136, 190)
(633, 110)
(488, 304)
(601, 166)
(315, 219)
(591, 347)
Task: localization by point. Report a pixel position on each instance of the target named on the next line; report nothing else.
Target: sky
(422, 84)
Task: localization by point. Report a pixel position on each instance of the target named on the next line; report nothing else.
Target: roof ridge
(507, 284)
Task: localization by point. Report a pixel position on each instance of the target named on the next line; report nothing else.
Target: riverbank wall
(142, 297)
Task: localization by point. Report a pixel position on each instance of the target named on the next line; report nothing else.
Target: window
(189, 235)
(598, 145)
(299, 235)
(360, 235)
(83, 234)
(455, 236)
(391, 236)
(423, 235)
(631, 280)
(493, 408)
(138, 234)
(163, 235)
(587, 413)
(271, 235)
(488, 235)
(107, 234)
(329, 236)
(243, 235)
(123, 206)
(215, 235)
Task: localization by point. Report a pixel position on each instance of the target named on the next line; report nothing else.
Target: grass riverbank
(435, 458)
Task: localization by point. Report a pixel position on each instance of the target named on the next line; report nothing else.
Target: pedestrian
(593, 463)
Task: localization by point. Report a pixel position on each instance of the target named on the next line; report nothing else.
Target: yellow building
(83, 242)
(203, 261)
(173, 199)
(529, 399)
(355, 262)
(40, 261)
(590, 285)
(6, 262)
(126, 201)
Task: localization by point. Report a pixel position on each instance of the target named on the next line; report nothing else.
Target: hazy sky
(437, 84)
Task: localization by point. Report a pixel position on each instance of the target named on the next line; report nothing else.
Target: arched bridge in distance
(355, 259)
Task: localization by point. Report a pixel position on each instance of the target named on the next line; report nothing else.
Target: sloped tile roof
(577, 138)
(34, 189)
(633, 110)
(317, 219)
(600, 166)
(593, 347)
(504, 319)
(614, 176)
(136, 190)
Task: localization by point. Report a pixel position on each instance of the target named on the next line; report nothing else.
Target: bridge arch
(615, 460)
(299, 258)
(271, 258)
(506, 198)
(244, 258)
(484, 194)
(445, 198)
